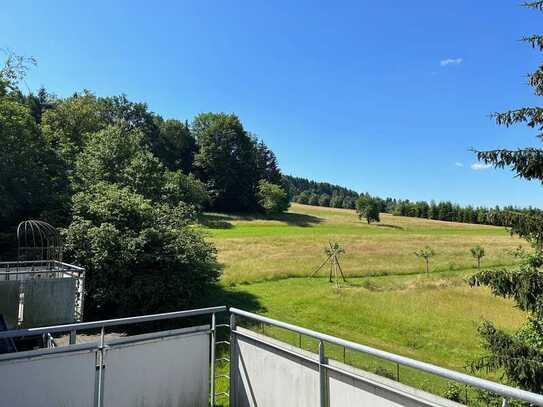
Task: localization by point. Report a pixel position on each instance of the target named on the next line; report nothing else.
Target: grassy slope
(432, 318)
(257, 249)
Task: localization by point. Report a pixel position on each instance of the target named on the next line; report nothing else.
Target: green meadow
(254, 249)
(388, 302)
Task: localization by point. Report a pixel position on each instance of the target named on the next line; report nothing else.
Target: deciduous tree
(477, 252)
(426, 253)
(368, 209)
(271, 197)
(226, 160)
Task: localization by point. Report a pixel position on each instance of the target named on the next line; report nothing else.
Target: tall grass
(259, 248)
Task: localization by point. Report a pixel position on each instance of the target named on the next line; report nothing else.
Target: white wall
(50, 380)
(165, 372)
(265, 376)
(163, 369)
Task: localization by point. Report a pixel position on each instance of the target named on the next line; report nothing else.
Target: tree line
(448, 211)
(304, 191)
(315, 193)
(125, 185)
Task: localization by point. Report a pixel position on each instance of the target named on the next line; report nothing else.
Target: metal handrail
(502, 390)
(109, 322)
(30, 262)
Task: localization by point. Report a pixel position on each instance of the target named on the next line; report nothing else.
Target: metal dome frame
(38, 240)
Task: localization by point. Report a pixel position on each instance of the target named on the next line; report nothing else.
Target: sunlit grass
(430, 318)
(260, 248)
(388, 301)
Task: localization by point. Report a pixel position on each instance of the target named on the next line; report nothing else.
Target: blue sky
(385, 97)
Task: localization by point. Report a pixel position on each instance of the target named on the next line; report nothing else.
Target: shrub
(453, 392)
(140, 257)
(271, 197)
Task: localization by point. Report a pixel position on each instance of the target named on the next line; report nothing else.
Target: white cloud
(480, 167)
(451, 61)
(458, 164)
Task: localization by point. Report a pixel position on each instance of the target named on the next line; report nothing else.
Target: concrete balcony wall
(166, 369)
(268, 372)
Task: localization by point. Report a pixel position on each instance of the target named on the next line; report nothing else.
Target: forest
(125, 185)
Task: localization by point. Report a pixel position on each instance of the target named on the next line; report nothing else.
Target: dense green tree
(267, 166)
(349, 203)
(118, 155)
(114, 110)
(30, 174)
(336, 201)
(367, 208)
(272, 198)
(140, 256)
(313, 199)
(297, 185)
(519, 355)
(303, 198)
(39, 103)
(68, 126)
(179, 187)
(176, 145)
(226, 161)
(324, 200)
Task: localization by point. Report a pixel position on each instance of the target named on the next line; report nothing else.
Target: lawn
(388, 302)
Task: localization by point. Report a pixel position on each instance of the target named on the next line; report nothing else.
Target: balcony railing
(178, 368)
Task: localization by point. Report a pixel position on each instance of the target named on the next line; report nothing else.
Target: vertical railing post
(73, 337)
(505, 403)
(100, 367)
(322, 376)
(213, 340)
(233, 362)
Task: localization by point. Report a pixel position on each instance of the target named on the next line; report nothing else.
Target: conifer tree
(519, 355)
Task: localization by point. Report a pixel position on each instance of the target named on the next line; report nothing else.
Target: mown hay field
(291, 245)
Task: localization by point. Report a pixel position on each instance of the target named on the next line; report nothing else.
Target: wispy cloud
(451, 61)
(459, 164)
(480, 167)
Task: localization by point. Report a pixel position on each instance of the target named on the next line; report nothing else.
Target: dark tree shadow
(386, 225)
(214, 296)
(296, 219)
(223, 221)
(215, 221)
(218, 295)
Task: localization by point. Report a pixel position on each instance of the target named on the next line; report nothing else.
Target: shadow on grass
(215, 296)
(223, 221)
(215, 221)
(386, 225)
(218, 296)
(296, 219)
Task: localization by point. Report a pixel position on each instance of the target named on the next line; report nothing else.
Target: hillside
(388, 301)
(292, 244)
